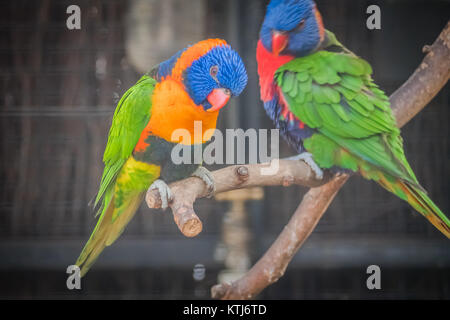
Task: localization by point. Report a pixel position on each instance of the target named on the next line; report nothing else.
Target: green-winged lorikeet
(323, 99)
(191, 86)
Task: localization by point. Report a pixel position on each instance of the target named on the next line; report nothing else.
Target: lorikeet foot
(164, 192)
(207, 178)
(308, 159)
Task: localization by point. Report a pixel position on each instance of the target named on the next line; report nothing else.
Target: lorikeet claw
(164, 192)
(308, 159)
(207, 178)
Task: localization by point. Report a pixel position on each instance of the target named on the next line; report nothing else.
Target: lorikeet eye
(300, 26)
(214, 71)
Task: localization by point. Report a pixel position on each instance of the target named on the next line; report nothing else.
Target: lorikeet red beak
(279, 42)
(218, 98)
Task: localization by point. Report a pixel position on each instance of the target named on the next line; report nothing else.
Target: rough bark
(229, 178)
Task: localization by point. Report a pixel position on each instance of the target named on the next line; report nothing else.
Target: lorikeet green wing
(130, 118)
(333, 93)
(124, 180)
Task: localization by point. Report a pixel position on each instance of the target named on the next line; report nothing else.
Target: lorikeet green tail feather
(419, 201)
(107, 231)
(121, 203)
(411, 192)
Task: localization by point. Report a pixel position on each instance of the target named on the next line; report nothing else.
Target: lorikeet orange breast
(193, 85)
(324, 100)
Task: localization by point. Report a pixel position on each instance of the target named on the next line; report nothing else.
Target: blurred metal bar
(57, 111)
(351, 252)
(129, 253)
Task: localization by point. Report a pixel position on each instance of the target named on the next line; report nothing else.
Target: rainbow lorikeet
(193, 85)
(323, 99)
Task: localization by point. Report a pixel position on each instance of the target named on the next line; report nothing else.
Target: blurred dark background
(58, 90)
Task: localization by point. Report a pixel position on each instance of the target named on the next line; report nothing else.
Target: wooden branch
(428, 79)
(273, 264)
(407, 101)
(234, 177)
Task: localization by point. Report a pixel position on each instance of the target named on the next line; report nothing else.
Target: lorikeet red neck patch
(268, 63)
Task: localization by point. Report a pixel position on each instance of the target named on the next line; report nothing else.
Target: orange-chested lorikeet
(191, 86)
(323, 99)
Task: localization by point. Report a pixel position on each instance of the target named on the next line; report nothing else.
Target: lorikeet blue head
(211, 72)
(216, 76)
(292, 27)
